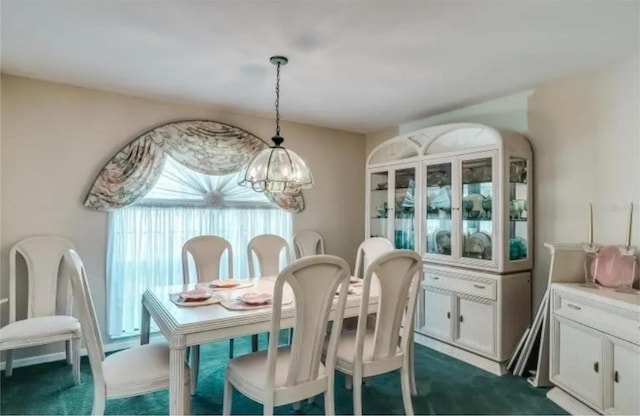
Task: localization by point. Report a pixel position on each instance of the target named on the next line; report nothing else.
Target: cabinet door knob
(448, 315)
(615, 376)
(596, 367)
(461, 318)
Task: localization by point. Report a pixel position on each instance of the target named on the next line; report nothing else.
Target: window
(146, 239)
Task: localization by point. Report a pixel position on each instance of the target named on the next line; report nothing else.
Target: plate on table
(478, 245)
(195, 297)
(254, 299)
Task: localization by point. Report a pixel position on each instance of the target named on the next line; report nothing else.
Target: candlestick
(629, 227)
(590, 224)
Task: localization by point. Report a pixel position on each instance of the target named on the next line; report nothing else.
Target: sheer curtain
(146, 239)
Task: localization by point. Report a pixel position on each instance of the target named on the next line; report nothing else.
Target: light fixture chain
(278, 100)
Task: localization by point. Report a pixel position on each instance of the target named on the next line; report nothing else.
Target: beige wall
(55, 139)
(585, 134)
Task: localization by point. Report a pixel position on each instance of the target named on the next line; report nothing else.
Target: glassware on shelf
(628, 270)
(591, 251)
(486, 207)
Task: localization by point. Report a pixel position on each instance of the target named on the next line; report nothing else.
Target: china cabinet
(595, 350)
(460, 194)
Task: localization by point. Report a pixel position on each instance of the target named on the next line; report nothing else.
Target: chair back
(313, 281)
(206, 251)
(266, 249)
(42, 255)
(86, 313)
(398, 278)
(308, 243)
(369, 250)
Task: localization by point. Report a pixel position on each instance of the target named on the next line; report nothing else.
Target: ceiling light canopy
(277, 169)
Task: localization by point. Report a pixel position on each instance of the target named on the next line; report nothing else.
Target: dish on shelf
(440, 199)
(478, 245)
(517, 248)
(443, 242)
(381, 186)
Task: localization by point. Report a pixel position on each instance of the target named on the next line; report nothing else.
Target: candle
(590, 225)
(629, 227)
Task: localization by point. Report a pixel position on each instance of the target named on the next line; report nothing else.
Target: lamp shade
(277, 169)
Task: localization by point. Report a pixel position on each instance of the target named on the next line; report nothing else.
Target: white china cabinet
(460, 194)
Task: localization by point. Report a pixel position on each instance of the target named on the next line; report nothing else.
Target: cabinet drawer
(483, 288)
(599, 317)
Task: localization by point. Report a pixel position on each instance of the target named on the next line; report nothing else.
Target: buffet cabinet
(595, 350)
(460, 194)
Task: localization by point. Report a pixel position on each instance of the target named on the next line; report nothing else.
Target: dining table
(185, 326)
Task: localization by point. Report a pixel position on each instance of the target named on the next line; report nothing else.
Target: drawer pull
(461, 318)
(435, 278)
(596, 367)
(574, 307)
(615, 376)
(479, 286)
(448, 315)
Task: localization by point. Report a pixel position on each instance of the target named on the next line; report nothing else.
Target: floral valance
(207, 147)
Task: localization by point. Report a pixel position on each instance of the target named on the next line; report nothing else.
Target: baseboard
(58, 356)
(483, 363)
(569, 403)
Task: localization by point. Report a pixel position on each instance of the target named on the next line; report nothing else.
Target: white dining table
(187, 326)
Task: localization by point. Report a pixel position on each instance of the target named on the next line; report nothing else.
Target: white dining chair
(43, 256)
(307, 243)
(293, 373)
(131, 372)
(368, 352)
(266, 250)
(369, 250)
(206, 252)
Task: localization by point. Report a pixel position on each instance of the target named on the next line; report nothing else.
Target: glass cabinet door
(438, 218)
(378, 204)
(404, 208)
(476, 208)
(518, 209)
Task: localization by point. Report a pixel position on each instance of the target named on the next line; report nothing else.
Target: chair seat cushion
(137, 367)
(251, 370)
(43, 326)
(346, 352)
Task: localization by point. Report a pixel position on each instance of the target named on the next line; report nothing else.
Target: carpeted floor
(446, 386)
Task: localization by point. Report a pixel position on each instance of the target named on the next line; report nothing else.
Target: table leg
(145, 325)
(177, 401)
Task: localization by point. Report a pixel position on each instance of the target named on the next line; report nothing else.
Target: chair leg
(357, 394)
(195, 368)
(188, 388)
(348, 382)
(406, 390)
(412, 369)
(227, 398)
(67, 350)
(267, 407)
(254, 343)
(8, 369)
(329, 401)
(99, 400)
(231, 348)
(75, 360)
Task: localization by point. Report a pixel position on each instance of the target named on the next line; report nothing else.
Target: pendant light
(277, 169)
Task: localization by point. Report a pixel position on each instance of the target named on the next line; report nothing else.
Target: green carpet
(446, 386)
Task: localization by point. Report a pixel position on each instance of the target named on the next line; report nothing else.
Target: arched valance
(207, 147)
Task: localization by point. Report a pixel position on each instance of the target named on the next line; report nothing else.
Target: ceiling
(354, 65)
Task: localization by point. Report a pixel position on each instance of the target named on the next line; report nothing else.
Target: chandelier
(277, 169)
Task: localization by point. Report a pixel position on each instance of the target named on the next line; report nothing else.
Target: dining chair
(206, 252)
(266, 249)
(293, 373)
(131, 372)
(369, 250)
(43, 256)
(367, 351)
(307, 243)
